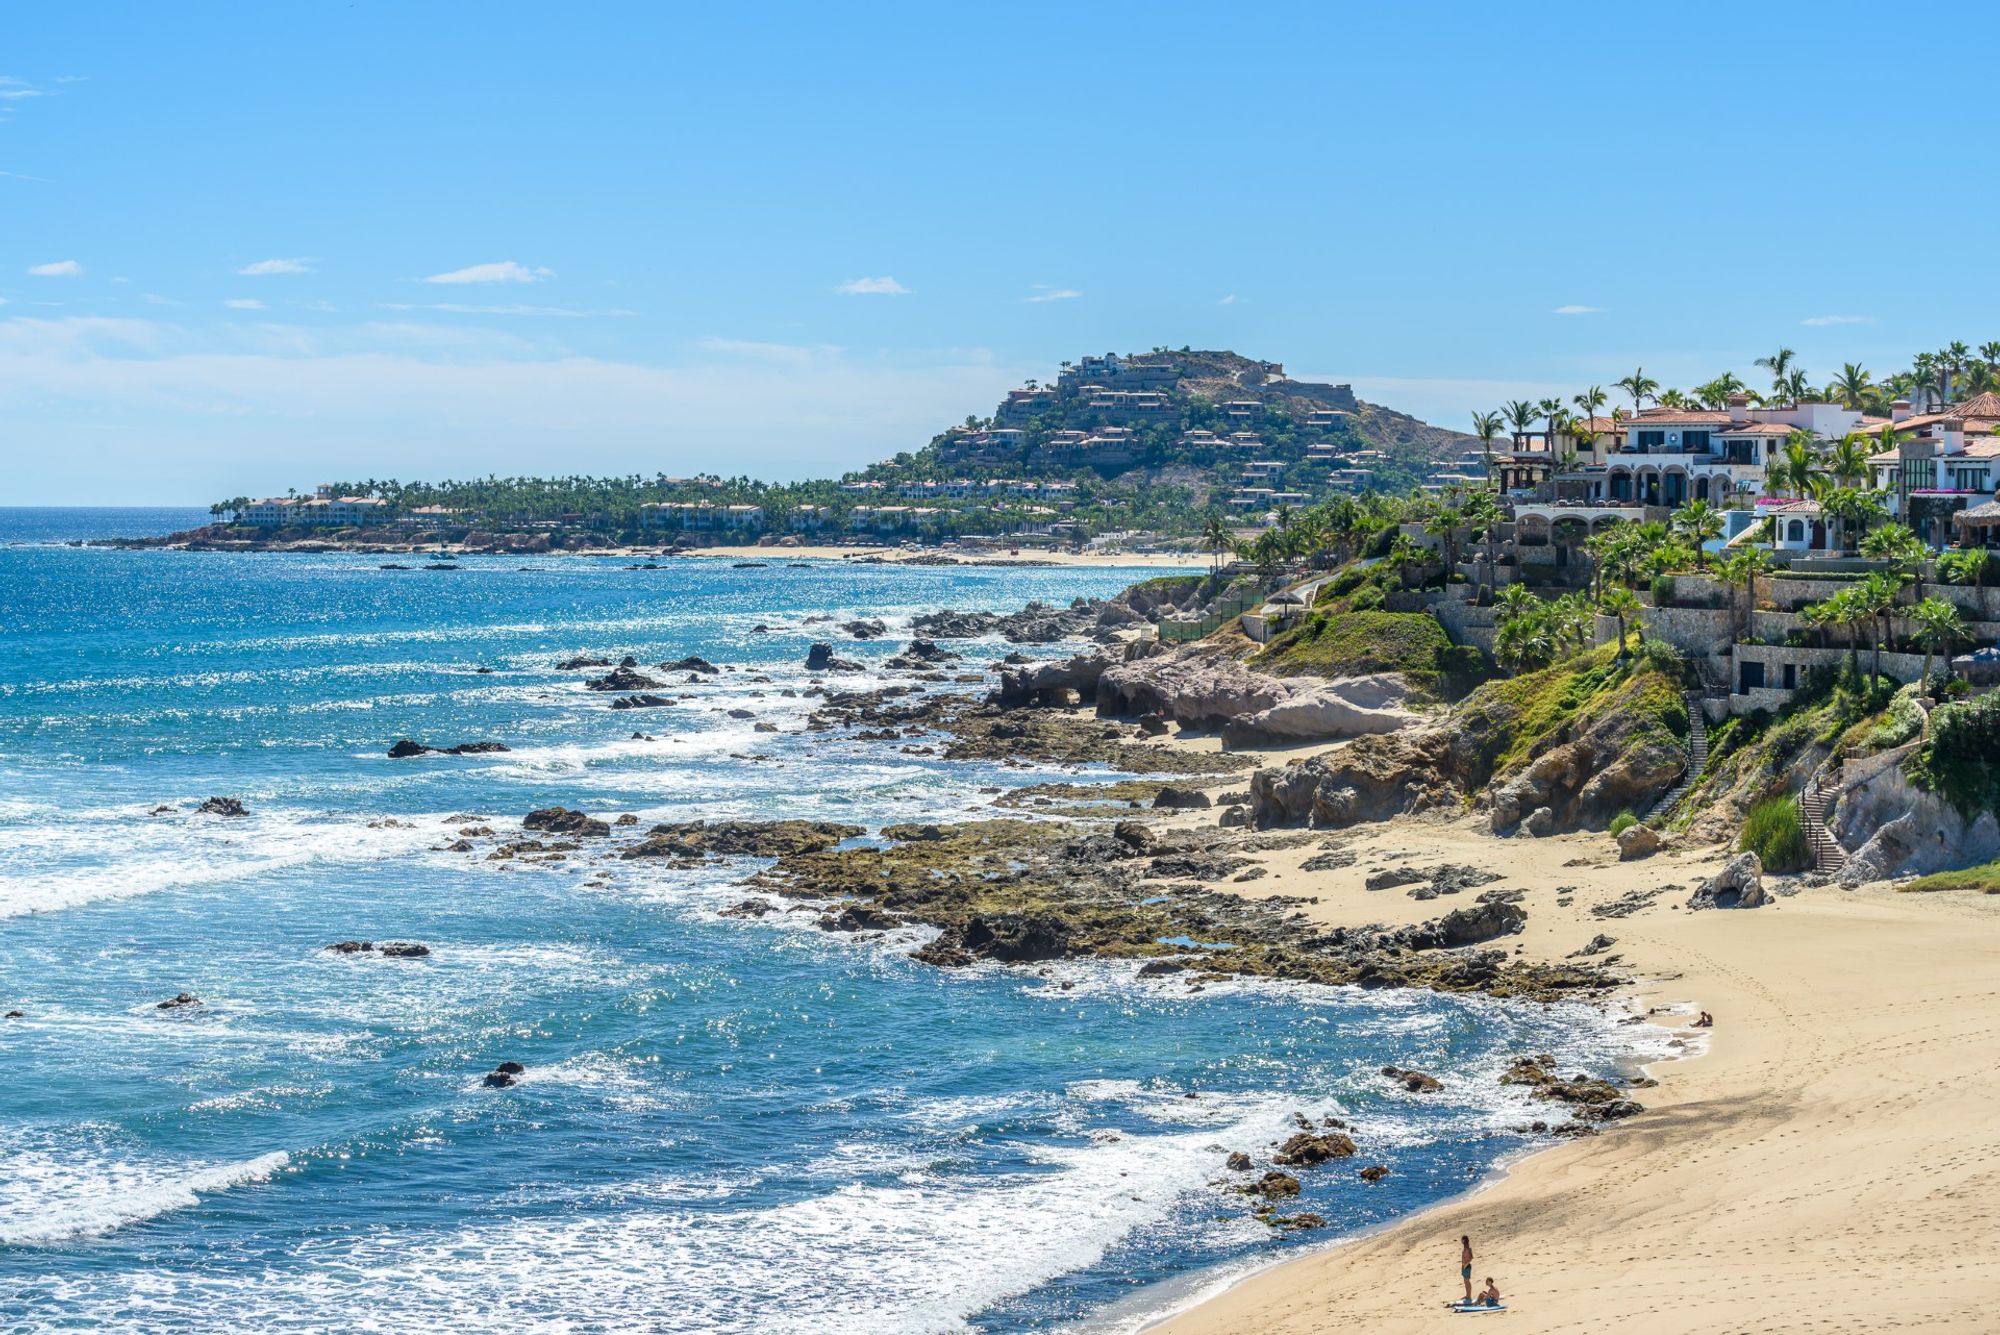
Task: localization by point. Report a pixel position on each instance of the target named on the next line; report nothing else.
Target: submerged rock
(742, 838)
(1413, 1080)
(561, 820)
(622, 679)
(222, 806)
(179, 1001)
(405, 748)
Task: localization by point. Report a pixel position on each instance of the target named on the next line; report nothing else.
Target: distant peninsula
(1153, 446)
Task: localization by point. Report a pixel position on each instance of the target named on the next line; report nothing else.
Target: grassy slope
(1525, 713)
(1984, 878)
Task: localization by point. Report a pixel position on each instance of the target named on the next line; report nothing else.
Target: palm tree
(1743, 568)
(1854, 510)
(1482, 511)
(1444, 524)
(1853, 388)
(1798, 388)
(1589, 402)
(1779, 364)
(1486, 426)
(1640, 386)
(1939, 626)
(1964, 567)
(1699, 523)
(1903, 550)
(1715, 394)
(1407, 555)
(1215, 533)
(1550, 409)
(1521, 415)
(1875, 597)
(1624, 605)
(1796, 468)
(1847, 462)
(1672, 398)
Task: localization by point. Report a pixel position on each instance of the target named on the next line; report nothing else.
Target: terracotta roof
(1982, 406)
(1678, 417)
(1796, 508)
(1758, 429)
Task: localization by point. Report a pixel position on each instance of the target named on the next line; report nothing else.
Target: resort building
(322, 509)
(702, 517)
(1023, 405)
(1943, 465)
(895, 518)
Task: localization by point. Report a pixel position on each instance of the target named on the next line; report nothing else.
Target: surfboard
(1474, 1309)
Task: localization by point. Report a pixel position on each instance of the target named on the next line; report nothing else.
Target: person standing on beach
(1465, 1264)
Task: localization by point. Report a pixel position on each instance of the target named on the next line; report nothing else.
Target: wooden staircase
(1827, 854)
(1697, 757)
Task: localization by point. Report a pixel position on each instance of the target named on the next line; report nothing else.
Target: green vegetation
(1774, 832)
(1351, 644)
(1620, 823)
(1984, 878)
(1527, 710)
(1961, 758)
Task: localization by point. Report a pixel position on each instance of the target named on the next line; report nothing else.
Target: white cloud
(265, 268)
(1229, 300)
(506, 271)
(155, 299)
(1819, 321)
(57, 269)
(16, 94)
(884, 286)
(1579, 310)
(243, 303)
(1044, 292)
(3, 301)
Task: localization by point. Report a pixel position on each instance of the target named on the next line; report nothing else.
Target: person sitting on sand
(1465, 1263)
(1706, 1021)
(1490, 1295)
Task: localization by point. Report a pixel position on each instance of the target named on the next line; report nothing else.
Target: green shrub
(1961, 759)
(1368, 599)
(1622, 822)
(1663, 590)
(1774, 832)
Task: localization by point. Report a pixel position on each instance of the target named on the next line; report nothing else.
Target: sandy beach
(1824, 1158)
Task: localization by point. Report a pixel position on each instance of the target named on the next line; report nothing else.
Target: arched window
(1796, 531)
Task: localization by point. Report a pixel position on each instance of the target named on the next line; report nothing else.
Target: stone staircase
(1827, 854)
(1697, 757)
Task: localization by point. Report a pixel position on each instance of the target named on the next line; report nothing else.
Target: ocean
(724, 1124)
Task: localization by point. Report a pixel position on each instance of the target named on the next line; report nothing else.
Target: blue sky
(791, 240)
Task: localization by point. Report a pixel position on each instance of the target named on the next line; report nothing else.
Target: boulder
(1739, 885)
(1275, 1186)
(621, 679)
(1637, 841)
(692, 663)
(560, 820)
(1476, 923)
(1239, 1162)
(179, 1001)
(1307, 1149)
(643, 700)
(404, 950)
(871, 629)
(581, 662)
(1541, 821)
(1374, 1173)
(741, 838)
(858, 918)
(405, 748)
(1171, 798)
(819, 658)
(1415, 1081)
(222, 806)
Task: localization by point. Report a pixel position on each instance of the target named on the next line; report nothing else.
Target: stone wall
(1464, 622)
(1698, 632)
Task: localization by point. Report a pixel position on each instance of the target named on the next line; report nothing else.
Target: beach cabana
(1977, 524)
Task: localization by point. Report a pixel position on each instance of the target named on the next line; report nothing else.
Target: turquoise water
(725, 1125)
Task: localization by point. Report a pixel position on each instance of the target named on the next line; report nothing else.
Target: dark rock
(404, 950)
(405, 748)
(1239, 1162)
(498, 1080)
(1306, 1149)
(579, 663)
(1390, 879)
(622, 679)
(764, 726)
(179, 1001)
(1154, 725)
(222, 806)
(642, 701)
(1275, 1186)
(627, 819)
(742, 838)
(742, 713)
(1476, 923)
(351, 947)
(749, 908)
(819, 658)
(1332, 860)
(1172, 798)
(858, 918)
(1414, 1081)
(628, 661)
(692, 663)
(865, 630)
(560, 820)
(511, 1068)
(1161, 968)
(1598, 945)
(1374, 1173)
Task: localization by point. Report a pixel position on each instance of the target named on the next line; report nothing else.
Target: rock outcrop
(222, 806)
(741, 838)
(1638, 841)
(622, 679)
(404, 748)
(561, 820)
(1894, 828)
(1739, 885)
(820, 658)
